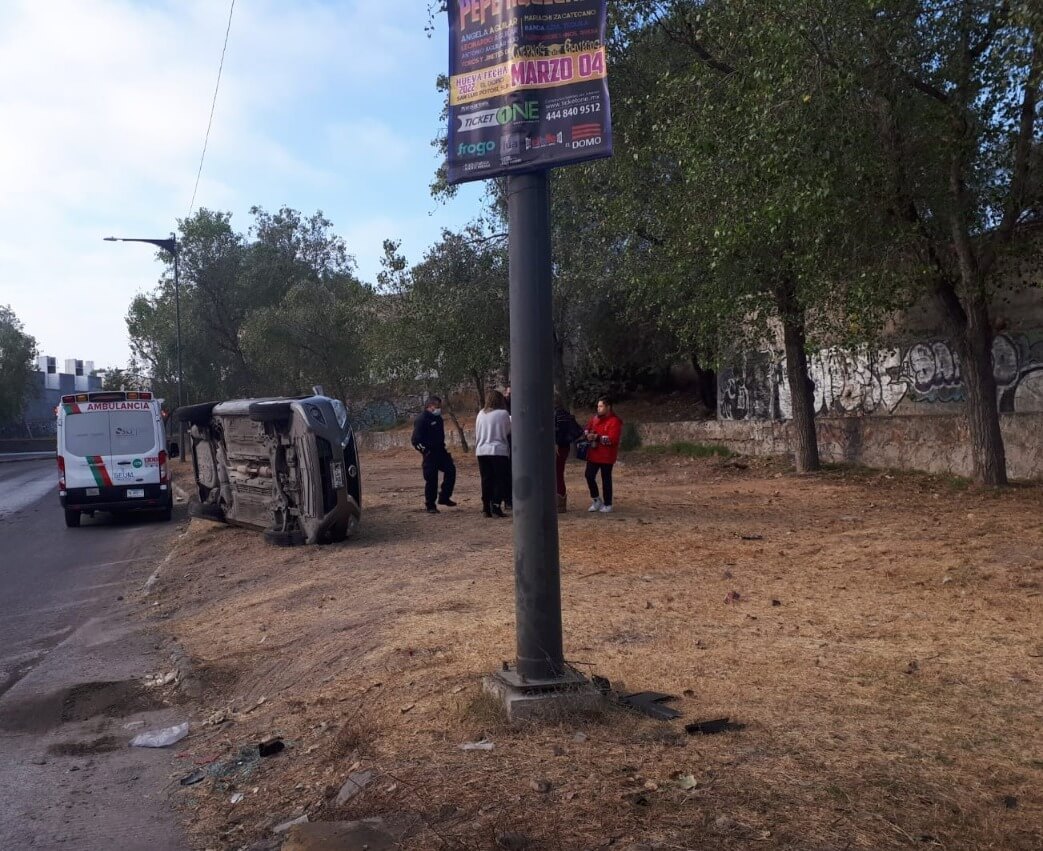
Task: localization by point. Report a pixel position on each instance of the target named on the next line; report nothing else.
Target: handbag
(581, 449)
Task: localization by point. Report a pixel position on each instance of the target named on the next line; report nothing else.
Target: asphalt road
(71, 658)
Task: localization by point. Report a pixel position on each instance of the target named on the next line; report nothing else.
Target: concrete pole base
(544, 702)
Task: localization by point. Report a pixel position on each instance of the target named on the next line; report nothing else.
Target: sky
(323, 105)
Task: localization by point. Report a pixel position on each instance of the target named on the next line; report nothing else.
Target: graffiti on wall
(862, 382)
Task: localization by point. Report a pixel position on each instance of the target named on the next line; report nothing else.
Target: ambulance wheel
(270, 412)
(195, 414)
(72, 517)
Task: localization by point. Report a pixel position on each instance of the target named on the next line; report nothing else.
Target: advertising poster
(528, 86)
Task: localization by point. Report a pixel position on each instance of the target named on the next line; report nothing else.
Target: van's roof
(109, 396)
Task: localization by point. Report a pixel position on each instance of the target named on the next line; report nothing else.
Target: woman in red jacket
(603, 432)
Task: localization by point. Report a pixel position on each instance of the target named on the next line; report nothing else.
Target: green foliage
(17, 354)
(445, 319)
(117, 378)
(272, 312)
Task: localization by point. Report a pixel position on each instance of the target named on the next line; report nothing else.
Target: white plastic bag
(160, 738)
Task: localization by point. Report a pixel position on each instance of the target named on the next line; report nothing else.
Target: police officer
(429, 441)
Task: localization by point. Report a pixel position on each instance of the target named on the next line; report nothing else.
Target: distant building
(47, 388)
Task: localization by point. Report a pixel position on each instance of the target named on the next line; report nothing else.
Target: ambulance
(113, 455)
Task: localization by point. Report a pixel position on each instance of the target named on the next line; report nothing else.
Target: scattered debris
(286, 825)
(270, 747)
(710, 728)
(688, 692)
(218, 717)
(155, 680)
(751, 537)
(356, 782)
(236, 798)
(482, 745)
(407, 708)
(580, 737)
(775, 602)
(727, 574)
(541, 786)
(687, 782)
(650, 703)
(197, 776)
(260, 702)
(1010, 802)
(733, 597)
(160, 738)
(912, 667)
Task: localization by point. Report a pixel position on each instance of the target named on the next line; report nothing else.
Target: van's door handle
(123, 463)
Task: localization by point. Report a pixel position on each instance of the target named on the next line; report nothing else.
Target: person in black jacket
(429, 441)
(566, 432)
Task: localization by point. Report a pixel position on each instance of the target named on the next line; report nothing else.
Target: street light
(170, 246)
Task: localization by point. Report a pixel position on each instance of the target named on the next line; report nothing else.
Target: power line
(213, 106)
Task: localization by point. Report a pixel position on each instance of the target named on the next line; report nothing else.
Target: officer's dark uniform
(429, 439)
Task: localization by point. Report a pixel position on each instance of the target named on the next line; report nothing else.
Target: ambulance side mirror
(173, 450)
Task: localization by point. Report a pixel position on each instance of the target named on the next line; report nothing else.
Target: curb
(16, 457)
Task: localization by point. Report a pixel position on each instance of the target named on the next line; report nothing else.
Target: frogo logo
(475, 149)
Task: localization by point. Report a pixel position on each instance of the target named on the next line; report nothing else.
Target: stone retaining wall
(934, 444)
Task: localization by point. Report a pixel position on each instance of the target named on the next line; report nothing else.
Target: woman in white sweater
(491, 430)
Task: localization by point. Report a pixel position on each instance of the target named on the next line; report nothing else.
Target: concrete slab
(525, 705)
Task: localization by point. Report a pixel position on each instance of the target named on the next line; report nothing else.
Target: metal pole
(537, 571)
(177, 319)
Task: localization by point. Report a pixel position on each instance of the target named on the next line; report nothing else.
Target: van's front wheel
(72, 517)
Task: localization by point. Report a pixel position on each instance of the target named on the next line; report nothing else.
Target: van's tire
(166, 515)
(72, 517)
(283, 539)
(197, 415)
(270, 412)
(204, 511)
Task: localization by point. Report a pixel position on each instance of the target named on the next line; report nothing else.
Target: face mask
(437, 412)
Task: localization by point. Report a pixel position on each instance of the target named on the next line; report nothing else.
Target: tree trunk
(805, 440)
(974, 346)
(479, 386)
(456, 423)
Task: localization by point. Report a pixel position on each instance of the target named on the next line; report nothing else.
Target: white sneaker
(605, 509)
(596, 505)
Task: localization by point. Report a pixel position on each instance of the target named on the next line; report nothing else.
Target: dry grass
(884, 653)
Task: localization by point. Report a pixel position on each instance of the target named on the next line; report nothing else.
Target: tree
(447, 315)
(117, 378)
(736, 200)
(17, 356)
(956, 87)
(275, 311)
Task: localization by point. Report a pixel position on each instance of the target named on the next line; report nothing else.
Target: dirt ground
(883, 648)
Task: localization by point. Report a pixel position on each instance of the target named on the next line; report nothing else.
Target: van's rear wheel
(166, 514)
(72, 517)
